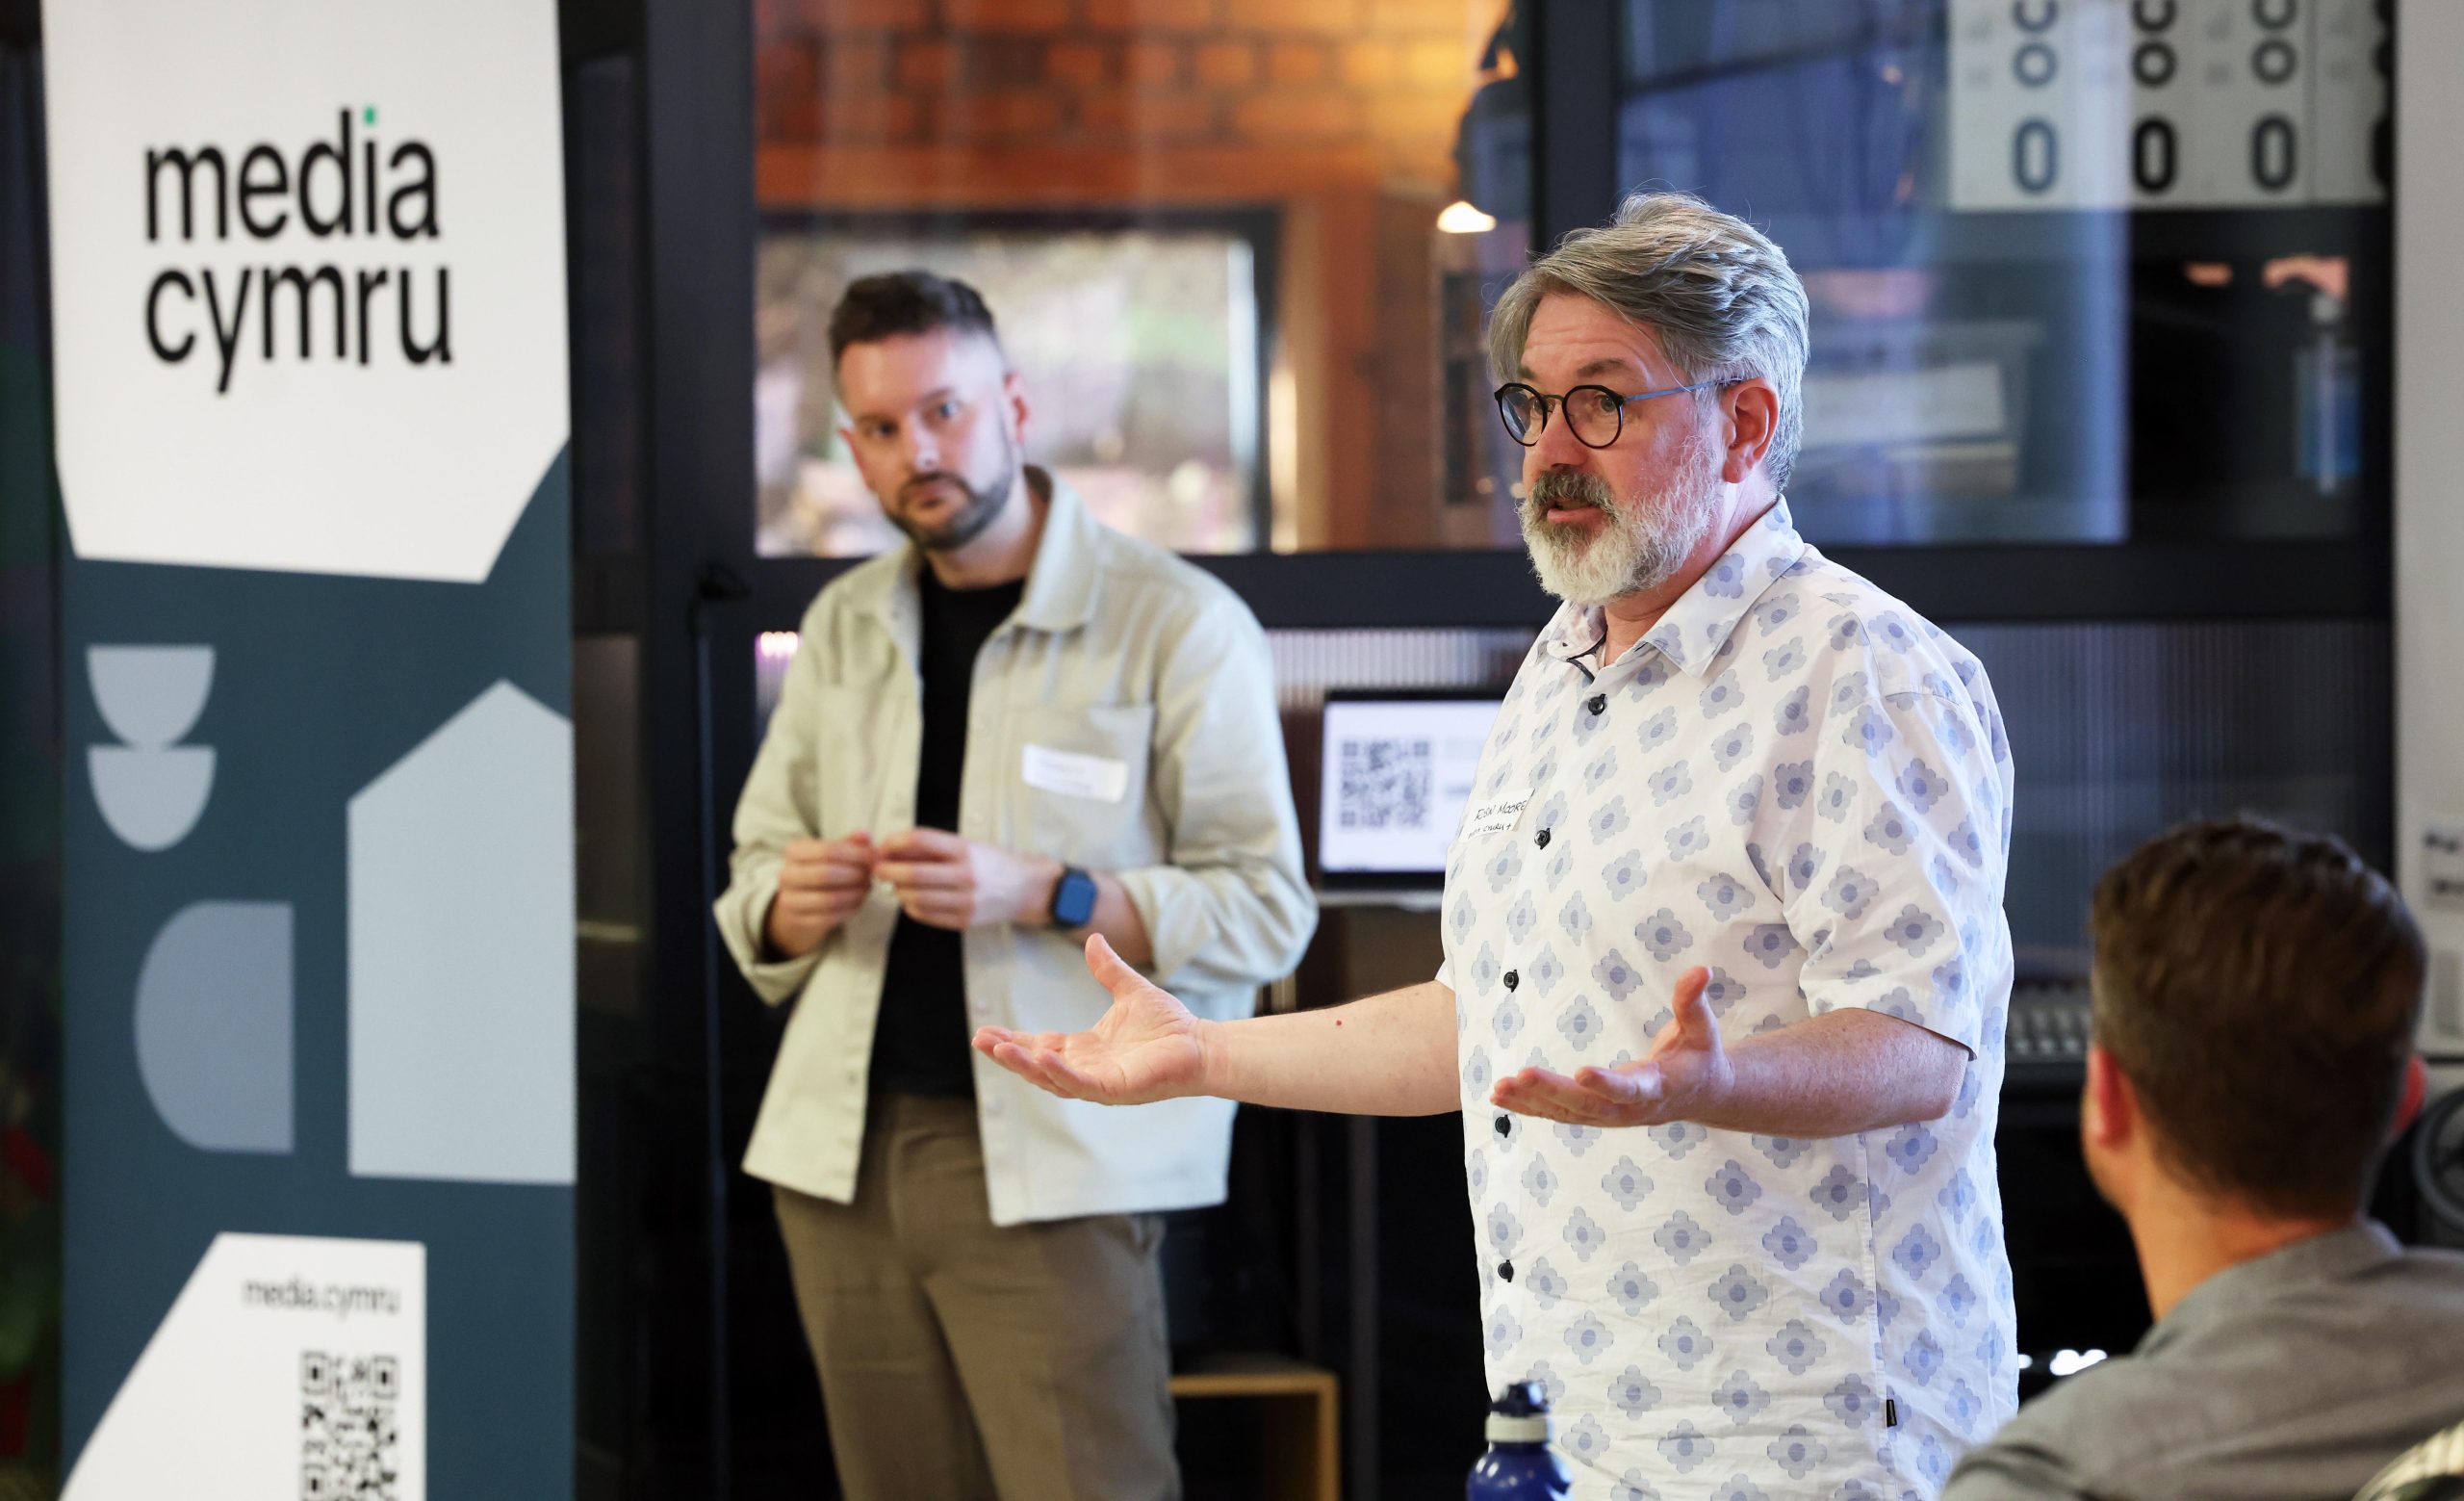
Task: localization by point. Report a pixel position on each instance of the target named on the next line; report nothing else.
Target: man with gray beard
(1725, 969)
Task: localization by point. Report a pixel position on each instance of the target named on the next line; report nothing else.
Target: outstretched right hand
(1148, 1047)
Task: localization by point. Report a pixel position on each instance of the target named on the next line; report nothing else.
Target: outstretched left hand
(1686, 1073)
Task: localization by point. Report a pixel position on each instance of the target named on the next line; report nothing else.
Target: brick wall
(1339, 116)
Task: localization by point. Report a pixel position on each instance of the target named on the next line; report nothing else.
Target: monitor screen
(1396, 771)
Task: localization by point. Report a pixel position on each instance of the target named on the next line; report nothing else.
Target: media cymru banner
(308, 304)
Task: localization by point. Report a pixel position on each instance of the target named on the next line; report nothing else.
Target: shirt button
(1506, 1271)
(1541, 838)
(1505, 1125)
(1599, 703)
(1513, 978)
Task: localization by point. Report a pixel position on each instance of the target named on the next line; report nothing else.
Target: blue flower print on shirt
(1850, 893)
(1804, 865)
(1740, 1399)
(1959, 1301)
(1914, 929)
(1504, 866)
(1503, 1228)
(1777, 611)
(1967, 845)
(1958, 1197)
(1602, 770)
(1917, 1252)
(1507, 1022)
(1846, 631)
(1503, 1333)
(1732, 747)
(1585, 1234)
(1771, 944)
(1791, 783)
(1688, 838)
(1522, 918)
(1682, 1238)
(1732, 1187)
(1781, 662)
(1952, 730)
(1587, 1440)
(1670, 783)
(1921, 785)
(1560, 865)
(1795, 714)
(1839, 798)
(1476, 1071)
(1869, 731)
(1762, 863)
(1475, 1174)
(1923, 1359)
(1686, 1344)
(1789, 1243)
(1581, 1024)
(1782, 1151)
(1892, 631)
(1588, 1338)
(1853, 1401)
(1575, 916)
(1737, 1487)
(1545, 1282)
(1839, 1193)
(1725, 579)
(1677, 1138)
(1849, 690)
(1622, 876)
(1745, 800)
(1722, 991)
(1663, 935)
(1632, 1392)
(1552, 1387)
(1608, 821)
(1796, 1347)
(1658, 729)
(1539, 1183)
(1577, 1139)
(1950, 982)
(1725, 694)
(1618, 976)
(1632, 1487)
(1797, 1451)
(1688, 1449)
(1738, 1293)
(1888, 831)
(1910, 1148)
(1627, 1183)
(1725, 896)
(1632, 1289)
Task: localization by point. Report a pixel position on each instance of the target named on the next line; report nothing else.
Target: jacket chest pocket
(848, 754)
(1079, 772)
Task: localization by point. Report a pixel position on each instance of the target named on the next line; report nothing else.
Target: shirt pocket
(1085, 803)
(847, 758)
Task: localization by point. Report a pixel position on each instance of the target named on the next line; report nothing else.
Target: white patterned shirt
(1796, 781)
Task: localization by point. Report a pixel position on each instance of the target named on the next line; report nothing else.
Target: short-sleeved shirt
(1795, 781)
(2292, 1375)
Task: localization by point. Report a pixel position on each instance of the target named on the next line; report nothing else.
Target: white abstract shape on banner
(461, 952)
(331, 301)
(286, 1361)
(214, 1029)
(150, 789)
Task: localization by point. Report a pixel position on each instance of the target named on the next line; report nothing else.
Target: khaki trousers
(964, 1363)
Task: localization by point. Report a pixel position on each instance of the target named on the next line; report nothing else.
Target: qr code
(348, 1442)
(1383, 784)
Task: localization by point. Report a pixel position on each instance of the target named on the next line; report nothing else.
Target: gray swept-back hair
(1720, 296)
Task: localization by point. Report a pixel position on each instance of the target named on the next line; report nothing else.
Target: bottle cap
(1519, 1415)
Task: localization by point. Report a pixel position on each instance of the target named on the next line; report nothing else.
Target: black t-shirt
(920, 1043)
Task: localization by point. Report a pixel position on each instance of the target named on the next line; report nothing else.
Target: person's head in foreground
(2256, 996)
(934, 413)
(1653, 369)
(2256, 991)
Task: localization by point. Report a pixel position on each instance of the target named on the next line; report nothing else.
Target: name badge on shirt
(1495, 815)
(1074, 774)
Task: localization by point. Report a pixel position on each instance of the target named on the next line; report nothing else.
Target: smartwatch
(1073, 899)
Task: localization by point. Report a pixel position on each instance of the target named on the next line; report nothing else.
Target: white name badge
(1076, 775)
(1494, 817)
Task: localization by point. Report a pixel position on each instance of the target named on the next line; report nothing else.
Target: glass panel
(1240, 254)
(2081, 269)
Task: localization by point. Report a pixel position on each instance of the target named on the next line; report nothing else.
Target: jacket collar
(1061, 581)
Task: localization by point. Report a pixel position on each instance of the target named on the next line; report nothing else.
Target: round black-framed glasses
(1590, 410)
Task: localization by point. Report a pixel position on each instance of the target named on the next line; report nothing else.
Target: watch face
(1073, 901)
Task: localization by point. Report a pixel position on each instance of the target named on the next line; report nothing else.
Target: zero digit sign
(2271, 153)
(2153, 63)
(2152, 155)
(2152, 14)
(2036, 155)
(2275, 15)
(2041, 21)
(2033, 65)
(2273, 61)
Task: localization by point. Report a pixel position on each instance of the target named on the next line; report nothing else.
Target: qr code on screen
(1383, 784)
(348, 1442)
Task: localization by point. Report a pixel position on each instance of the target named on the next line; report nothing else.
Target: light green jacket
(1119, 652)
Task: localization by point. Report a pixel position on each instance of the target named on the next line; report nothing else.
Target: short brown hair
(874, 308)
(2260, 989)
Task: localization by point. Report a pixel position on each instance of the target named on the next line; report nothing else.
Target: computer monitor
(1396, 769)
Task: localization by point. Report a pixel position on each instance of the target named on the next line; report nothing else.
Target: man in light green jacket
(1020, 729)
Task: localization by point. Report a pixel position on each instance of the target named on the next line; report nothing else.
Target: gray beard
(1640, 548)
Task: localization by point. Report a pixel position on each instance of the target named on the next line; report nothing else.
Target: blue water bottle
(1519, 1465)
